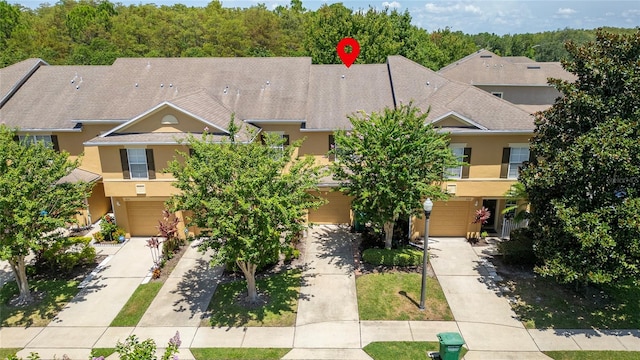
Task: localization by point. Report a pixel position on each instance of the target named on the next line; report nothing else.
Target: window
(332, 146)
(137, 164)
(456, 172)
(497, 93)
(463, 154)
(48, 140)
(512, 159)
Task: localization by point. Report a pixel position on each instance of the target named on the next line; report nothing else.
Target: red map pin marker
(348, 58)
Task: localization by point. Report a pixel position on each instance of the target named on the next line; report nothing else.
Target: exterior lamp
(427, 206)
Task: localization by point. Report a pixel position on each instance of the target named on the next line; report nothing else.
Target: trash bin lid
(451, 338)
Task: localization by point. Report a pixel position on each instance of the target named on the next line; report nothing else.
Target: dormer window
(169, 120)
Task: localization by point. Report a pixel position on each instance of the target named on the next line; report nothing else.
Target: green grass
(281, 292)
(5, 353)
(238, 353)
(593, 355)
(55, 294)
(396, 296)
(137, 305)
(542, 303)
(402, 350)
(97, 352)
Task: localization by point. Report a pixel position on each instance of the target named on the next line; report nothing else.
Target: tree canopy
(90, 32)
(249, 199)
(390, 162)
(584, 184)
(33, 203)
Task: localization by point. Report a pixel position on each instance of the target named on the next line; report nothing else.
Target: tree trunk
(388, 234)
(20, 272)
(249, 271)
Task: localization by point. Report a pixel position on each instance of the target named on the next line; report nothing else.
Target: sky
(471, 17)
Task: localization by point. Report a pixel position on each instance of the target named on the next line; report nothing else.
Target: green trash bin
(450, 345)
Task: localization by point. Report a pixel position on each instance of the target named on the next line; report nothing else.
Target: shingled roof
(58, 98)
(486, 68)
(428, 89)
(14, 76)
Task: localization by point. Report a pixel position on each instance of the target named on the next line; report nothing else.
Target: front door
(490, 204)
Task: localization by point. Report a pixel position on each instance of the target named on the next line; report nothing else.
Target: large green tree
(390, 161)
(33, 203)
(584, 183)
(249, 199)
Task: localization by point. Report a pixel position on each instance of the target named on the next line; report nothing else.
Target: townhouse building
(125, 121)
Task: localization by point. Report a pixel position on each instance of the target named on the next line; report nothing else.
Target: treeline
(97, 32)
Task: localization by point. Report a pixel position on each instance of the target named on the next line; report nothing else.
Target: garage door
(449, 218)
(144, 216)
(336, 211)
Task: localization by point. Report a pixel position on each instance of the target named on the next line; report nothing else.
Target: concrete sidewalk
(327, 326)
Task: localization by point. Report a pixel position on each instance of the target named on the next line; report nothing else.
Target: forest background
(97, 32)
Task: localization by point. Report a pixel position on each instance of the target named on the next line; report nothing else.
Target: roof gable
(166, 117)
(453, 119)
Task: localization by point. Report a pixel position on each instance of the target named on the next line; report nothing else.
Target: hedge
(393, 257)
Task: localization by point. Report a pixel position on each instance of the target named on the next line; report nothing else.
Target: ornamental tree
(33, 202)
(584, 183)
(389, 162)
(249, 200)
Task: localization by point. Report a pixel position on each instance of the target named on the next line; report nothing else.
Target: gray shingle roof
(279, 89)
(413, 82)
(486, 68)
(336, 91)
(13, 76)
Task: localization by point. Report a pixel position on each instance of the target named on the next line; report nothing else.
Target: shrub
(66, 254)
(393, 257)
(519, 249)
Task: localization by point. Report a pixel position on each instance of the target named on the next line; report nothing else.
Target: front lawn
(403, 350)
(593, 355)
(280, 295)
(238, 353)
(137, 305)
(396, 296)
(543, 303)
(51, 296)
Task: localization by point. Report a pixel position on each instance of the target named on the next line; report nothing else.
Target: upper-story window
(137, 164)
(512, 159)
(332, 146)
(463, 154)
(497, 93)
(48, 140)
(284, 139)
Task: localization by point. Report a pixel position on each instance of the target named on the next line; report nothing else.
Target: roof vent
(170, 85)
(268, 82)
(533, 67)
(486, 56)
(136, 84)
(342, 76)
(161, 85)
(226, 89)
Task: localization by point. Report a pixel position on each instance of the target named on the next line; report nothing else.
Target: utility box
(450, 345)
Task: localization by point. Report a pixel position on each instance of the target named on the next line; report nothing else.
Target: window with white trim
(138, 163)
(32, 139)
(517, 156)
(456, 172)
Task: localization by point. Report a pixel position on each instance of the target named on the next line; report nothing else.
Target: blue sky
(493, 16)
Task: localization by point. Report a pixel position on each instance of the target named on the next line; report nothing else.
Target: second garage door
(337, 210)
(449, 218)
(144, 216)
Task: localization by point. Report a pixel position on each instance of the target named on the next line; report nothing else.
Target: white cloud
(631, 13)
(565, 11)
(391, 5)
(447, 9)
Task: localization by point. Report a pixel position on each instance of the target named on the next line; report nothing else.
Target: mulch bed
(170, 264)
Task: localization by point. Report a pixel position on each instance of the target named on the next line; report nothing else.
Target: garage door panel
(144, 216)
(449, 218)
(337, 210)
